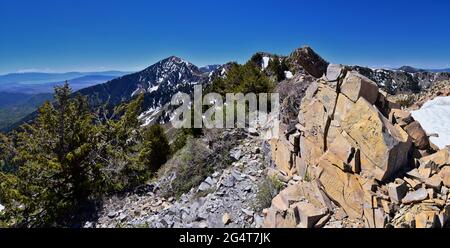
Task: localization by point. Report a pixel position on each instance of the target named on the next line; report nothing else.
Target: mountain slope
(159, 82)
(24, 105)
(408, 80)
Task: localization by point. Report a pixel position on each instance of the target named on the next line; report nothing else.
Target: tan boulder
(282, 154)
(343, 150)
(434, 182)
(444, 174)
(301, 166)
(226, 219)
(342, 188)
(280, 203)
(356, 85)
(397, 191)
(343, 106)
(400, 117)
(310, 151)
(309, 214)
(384, 145)
(426, 219)
(439, 158)
(374, 217)
(317, 119)
(277, 219)
(384, 105)
(418, 135)
(327, 96)
(313, 193)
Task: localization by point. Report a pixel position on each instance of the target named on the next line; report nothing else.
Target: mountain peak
(409, 69)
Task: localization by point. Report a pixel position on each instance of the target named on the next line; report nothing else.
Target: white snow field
(434, 116)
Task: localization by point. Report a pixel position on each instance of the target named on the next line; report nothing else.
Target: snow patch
(434, 116)
(265, 62)
(2, 208)
(288, 74)
(149, 115)
(154, 88)
(136, 91)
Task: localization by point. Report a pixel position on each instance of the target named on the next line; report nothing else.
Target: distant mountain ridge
(405, 79)
(48, 87)
(42, 77)
(411, 69)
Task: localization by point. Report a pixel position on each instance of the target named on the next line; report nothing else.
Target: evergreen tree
(155, 148)
(58, 171)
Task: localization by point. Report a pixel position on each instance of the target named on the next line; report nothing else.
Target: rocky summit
(362, 160)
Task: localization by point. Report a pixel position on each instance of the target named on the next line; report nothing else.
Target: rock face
(315, 65)
(350, 148)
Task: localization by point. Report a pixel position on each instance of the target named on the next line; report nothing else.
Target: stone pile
(363, 161)
(227, 198)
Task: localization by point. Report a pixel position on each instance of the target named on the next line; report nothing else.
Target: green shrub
(267, 190)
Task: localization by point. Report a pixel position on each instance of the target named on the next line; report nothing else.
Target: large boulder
(356, 85)
(418, 135)
(343, 188)
(384, 145)
(281, 151)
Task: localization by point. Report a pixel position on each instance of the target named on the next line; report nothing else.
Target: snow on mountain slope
(434, 116)
(265, 62)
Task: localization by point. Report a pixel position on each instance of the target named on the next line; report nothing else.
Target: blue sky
(87, 35)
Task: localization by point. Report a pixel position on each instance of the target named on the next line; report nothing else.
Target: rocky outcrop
(309, 60)
(352, 147)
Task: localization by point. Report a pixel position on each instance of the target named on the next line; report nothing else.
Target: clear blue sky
(65, 35)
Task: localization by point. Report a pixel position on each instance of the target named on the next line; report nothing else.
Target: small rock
(425, 220)
(236, 154)
(228, 181)
(334, 72)
(323, 221)
(415, 196)
(309, 214)
(122, 217)
(226, 219)
(414, 174)
(112, 214)
(253, 131)
(434, 182)
(445, 175)
(204, 186)
(397, 191)
(413, 183)
(210, 181)
(424, 173)
(248, 212)
(88, 225)
(256, 150)
(340, 214)
(280, 203)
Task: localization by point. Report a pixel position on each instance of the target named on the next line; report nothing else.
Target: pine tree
(58, 168)
(155, 148)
